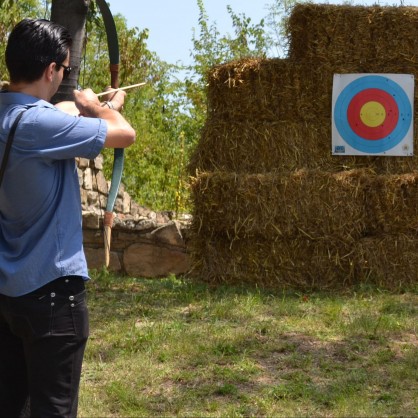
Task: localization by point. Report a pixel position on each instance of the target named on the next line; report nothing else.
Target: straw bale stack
(255, 146)
(302, 263)
(303, 204)
(392, 204)
(345, 206)
(332, 35)
(307, 229)
(390, 261)
(272, 206)
(284, 89)
(281, 110)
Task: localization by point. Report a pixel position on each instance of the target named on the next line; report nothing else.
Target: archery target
(372, 114)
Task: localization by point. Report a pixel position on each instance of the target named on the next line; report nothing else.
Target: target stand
(372, 114)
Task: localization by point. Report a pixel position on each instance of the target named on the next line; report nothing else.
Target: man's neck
(32, 89)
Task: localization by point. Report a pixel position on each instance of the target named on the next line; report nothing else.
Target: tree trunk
(71, 14)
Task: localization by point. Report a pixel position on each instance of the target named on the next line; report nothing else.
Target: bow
(113, 46)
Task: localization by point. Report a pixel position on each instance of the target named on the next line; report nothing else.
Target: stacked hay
(272, 206)
(276, 206)
(281, 111)
(369, 36)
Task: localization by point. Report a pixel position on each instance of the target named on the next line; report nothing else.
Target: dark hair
(33, 44)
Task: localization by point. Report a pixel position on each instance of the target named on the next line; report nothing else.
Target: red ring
(369, 132)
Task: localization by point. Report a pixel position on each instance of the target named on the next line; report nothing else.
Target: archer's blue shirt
(40, 209)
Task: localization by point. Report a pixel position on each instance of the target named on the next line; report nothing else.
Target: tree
(277, 30)
(210, 48)
(149, 183)
(12, 12)
(71, 14)
(169, 112)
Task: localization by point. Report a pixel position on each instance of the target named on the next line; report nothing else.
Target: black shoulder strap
(9, 145)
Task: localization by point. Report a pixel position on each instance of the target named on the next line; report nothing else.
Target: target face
(372, 114)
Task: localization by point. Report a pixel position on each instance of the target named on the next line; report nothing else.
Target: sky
(171, 22)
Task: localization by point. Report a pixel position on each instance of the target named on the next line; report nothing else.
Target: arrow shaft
(120, 88)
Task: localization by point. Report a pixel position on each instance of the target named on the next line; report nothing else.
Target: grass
(169, 347)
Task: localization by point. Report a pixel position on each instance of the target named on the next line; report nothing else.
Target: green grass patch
(170, 347)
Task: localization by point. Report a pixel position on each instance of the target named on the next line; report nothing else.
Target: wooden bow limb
(113, 46)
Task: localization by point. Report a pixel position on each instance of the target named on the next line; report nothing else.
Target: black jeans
(42, 339)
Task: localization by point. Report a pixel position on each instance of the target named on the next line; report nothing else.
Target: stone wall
(144, 243)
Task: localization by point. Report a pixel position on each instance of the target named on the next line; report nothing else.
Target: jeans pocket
(80, 314)
(69, 315)
(30, 316)
(48, 312)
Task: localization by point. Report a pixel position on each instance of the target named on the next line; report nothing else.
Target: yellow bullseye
(372, 114)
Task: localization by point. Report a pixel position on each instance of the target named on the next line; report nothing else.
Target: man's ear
(49, 71)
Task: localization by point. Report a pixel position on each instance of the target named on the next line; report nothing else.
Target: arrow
(120, 88)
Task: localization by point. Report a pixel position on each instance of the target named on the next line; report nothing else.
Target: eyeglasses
(67, 70)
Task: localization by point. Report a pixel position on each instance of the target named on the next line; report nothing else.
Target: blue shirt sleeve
(72, 136)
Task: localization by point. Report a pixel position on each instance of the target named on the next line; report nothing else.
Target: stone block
(92, 237)
(83, 162)
(169, 234)
(99, 182)
(149, 260)
(95, 259)
(88, 179)
(91, 220)
(92, 198)
(84, 197)
(98, 162)
(126, 203)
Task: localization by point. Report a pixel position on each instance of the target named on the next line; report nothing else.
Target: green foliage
(210, 48)
(277, 32)
(12, 12)
(169, 112)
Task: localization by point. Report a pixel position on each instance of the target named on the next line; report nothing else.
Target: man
(43, 314)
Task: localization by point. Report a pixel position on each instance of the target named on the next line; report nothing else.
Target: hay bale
(306, 229)
(304, 204)
(275, 207)
(392, 203)
(300, 264)
(255, 88)
(260, 146)
(284, 90)
(389, 261)
(333, 35)
(346, 205)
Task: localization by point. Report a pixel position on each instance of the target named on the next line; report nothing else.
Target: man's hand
(86, 102)
(116, 99)
(120, 133)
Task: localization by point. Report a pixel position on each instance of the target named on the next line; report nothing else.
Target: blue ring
(378, 145)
